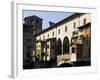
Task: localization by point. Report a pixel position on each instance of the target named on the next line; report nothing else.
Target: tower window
(28, 40)
(36, 21)
(33, 22)
(28, 47)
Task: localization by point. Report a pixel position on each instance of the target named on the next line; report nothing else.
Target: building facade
(67, 41)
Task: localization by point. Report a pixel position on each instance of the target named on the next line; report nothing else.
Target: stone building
(66, 41)
(32, 25)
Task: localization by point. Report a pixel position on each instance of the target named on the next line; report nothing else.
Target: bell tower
(32, 25)
(34, 21)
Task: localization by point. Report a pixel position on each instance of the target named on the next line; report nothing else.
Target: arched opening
(66, 45)
(65, 65)
(59, 47)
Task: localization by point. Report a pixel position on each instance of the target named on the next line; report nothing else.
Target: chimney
(51, 23)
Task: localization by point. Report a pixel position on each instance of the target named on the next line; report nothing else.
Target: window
(52, 47)
(39, 46)
(28, 40)
(47, 53)
(74, 25)
(33, 32)
(47, 45)
(33, 27)
(53, 33)
(48, 35)
(28, 47)
(43, 37)
(73, 50)
(53, 40)
(58, 31)
(28, 54)
(84, 21)
(33, 22)
(36, 21)
(65, 28)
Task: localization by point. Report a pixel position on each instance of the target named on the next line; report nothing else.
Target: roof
(73, 16)
(86, 25)
(33, 16)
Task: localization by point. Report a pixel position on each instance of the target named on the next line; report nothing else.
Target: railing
(63, 58)
(77, 40)
(75, 33)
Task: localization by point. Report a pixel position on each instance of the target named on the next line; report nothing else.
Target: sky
(47, 16)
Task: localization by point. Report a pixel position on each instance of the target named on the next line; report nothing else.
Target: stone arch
(59, 46)
(65, 45)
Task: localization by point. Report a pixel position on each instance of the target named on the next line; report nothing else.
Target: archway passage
(66, 45)
(59, 47)
(65, 65)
